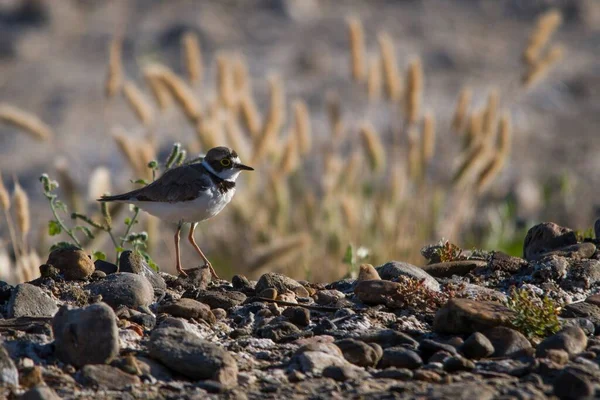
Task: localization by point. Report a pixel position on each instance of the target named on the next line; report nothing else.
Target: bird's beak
(243, 167)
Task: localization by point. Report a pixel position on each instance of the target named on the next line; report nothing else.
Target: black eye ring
(225, 162)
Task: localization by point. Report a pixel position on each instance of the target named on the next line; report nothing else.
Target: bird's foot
(181, 271)
(212, 270)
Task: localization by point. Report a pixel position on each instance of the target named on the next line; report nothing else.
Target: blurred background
(375, 127)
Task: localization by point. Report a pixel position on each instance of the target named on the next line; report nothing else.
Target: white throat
(227, 174)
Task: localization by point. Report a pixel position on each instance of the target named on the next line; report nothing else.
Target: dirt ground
(53, 57)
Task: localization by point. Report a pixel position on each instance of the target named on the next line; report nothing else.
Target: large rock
(508, 342)
(582, 274)
(86, 335)
(360, 353)
(188, 308)
(27, 300)
(280, 282)
(193, 357)
(546, 237)
(125, 289)
(316, 361)
(468, 316)
(477, 346)
(400, 357)
(9, 375)
(571, 339)
(394, 269)
(72, 263)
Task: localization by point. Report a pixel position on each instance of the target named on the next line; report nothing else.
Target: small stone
(280, 282)
(240, 282)
(394, 269)
(148, 366)
(40, 392)
(571, 339)
(193, 357)
(49, 271)
(401, 374)
(135, 263)
(477, 346)
(583, 310)
(224, 300)
(576, 251)
(503, 262)
(297, 315)
(288, 297)
(367, 272)
(124, 288)
(427, 376)
(148, 321)
(571, 385)
(390, 338)
(359, 353)
(27, 300)
(319, 343)
(560, 357)
(269, 293)
(86, 335)
(427, 347)
(341, 373)
(450, 268)
(400, 357)
(106, 267)
(73, 264)
(468, 316)
(582, 274)
(458, 363)
(546, 237)
(593, 299)
(328, 296)
(278, 332)
(106, 377)
(315, 362)
(507, 342)
(219, 313)
(30, 377)
(198, 277)
(376, 292)
(188, 308)
(97, 275)
(9, 375)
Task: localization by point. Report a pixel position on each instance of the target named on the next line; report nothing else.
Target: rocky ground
(398, 331)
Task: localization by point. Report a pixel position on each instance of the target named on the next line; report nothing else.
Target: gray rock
(359, 353)
(508, 342)
(503, 262)
(571, 339)
(27, 300)
(214, 299)
(546, 237)
(550, 268)
(572, 385)
(328, 296)
(280, 282)
(278, 331)
(9, 375)
(193, 357)
(450, 268)
(136, 264)
(152, 367)
(376, 291)
(125, 289)
(299, 316)
(401, 374)
(188, 308)
(400, 357)
(106, 377)
(198, 278)
(342, 373)
(477, 346)
(393, 269)
(390, 338)
(106, 267)
(40, 392)
(86, 335)
(577, 251)
(582, 274)
(462, 390)
(582, 310)
(427, 347)
(316, 361)
(73, 264)
(458, 363)
(468, 316)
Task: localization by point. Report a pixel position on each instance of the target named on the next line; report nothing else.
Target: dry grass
(25, 121)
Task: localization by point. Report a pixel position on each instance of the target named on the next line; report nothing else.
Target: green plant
(415, 295)
(535, 316)
(353, 258)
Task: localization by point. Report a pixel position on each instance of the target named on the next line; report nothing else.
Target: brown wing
(177, 184)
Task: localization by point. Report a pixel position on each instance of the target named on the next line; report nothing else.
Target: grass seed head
(25, 121)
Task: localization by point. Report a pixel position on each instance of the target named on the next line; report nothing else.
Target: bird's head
(225, 163)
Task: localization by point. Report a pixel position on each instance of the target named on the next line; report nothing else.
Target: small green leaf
(127, 221)
(54, 228)
(59, 205)
(139, 181)
(349, 255)
(119, 249)
(98, 255)
(86, 231)
(153, 164)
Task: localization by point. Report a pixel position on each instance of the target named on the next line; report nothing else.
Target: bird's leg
(193, 242)
(177, 252)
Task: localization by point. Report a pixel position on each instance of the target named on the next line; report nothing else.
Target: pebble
(450, 268)
(148, 366)
(278, 331)
(507, 342)
(241, 283)
(328, 296)
(135, 263)
(269, 293)
(86, 335)
(571, 385)
(73, 264)
(30, 376)
(401, 374)
(360, 353)
(571, 339)
(503, 262)
(280, 282)
(106, 377)
(215, 299)
(390, 338)
(477, 346)
(341, 373)
(188, 308)
(468, 316)
(315, 362)
(193, 357)
(376, 292)
(546, 237)
(40, 392)
(106, 267)
(400, 357)
(124, 288)
(219, 313)
(9, 375)
(394, 269)
(428, 347)
(299, 316)
(27, 300)
(458, 363)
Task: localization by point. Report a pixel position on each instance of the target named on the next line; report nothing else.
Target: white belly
(207, 205)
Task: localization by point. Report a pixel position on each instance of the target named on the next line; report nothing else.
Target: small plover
(189, 194)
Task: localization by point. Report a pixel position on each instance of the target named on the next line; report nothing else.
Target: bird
(189, 193)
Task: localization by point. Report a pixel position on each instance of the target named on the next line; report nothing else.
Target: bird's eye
(225, 162)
